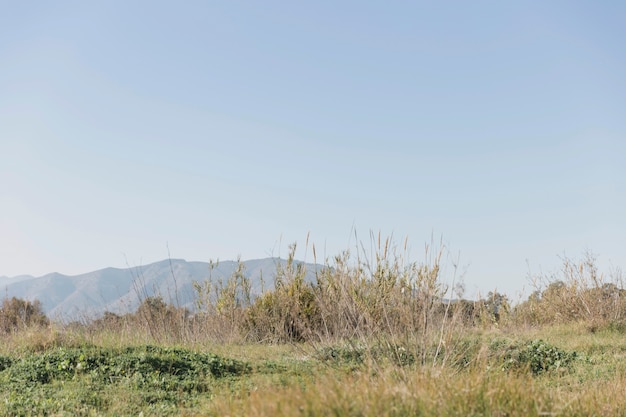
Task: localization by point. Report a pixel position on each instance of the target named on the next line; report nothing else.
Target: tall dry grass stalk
(383, 297)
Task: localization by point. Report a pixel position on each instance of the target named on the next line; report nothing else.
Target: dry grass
(577, 293)
(428, 392)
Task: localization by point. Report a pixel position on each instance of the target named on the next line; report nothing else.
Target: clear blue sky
(223, 128)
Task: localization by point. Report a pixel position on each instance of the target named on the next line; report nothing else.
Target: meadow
(375, 335)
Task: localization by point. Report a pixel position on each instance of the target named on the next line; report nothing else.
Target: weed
(537, 356)
(152, 374)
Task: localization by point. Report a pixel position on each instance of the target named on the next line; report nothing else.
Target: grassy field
(368, 338)
(553, 371)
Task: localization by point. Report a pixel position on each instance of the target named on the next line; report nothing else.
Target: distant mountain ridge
(89, 295)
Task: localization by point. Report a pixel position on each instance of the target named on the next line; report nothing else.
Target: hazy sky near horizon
(220, 129)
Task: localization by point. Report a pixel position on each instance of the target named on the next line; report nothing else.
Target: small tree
(162, 320)
(17, 314)
(494, 307)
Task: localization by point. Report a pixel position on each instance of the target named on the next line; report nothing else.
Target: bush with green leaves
(538, 356)
(290, 312)
(151, 375)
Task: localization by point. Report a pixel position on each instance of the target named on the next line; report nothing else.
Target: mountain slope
(86, 296)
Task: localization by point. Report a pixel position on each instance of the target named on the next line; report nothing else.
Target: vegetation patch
(538, 356)
(367, 337)
(152, 375)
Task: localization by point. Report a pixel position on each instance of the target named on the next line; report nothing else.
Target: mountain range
(87, 296)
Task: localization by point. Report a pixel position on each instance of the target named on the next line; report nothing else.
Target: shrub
(222, 304)
(537, 356)
(579, 292)
(290, 313)
(17, 313)
(385, 298)
(493, 309)
(159, 320)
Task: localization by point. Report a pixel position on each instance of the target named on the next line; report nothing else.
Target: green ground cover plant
(162, 378)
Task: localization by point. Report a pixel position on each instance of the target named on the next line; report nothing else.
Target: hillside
(89, 295)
